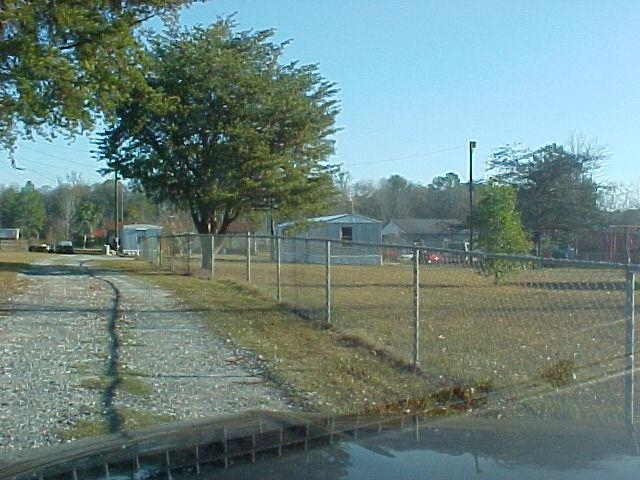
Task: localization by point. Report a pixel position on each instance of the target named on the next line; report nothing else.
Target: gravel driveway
(86, 345)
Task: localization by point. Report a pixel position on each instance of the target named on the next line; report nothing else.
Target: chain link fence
(520, 327)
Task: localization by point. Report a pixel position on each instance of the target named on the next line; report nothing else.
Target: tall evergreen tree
(557, 194)
(228, 130)
(61, 61)
(447, 197)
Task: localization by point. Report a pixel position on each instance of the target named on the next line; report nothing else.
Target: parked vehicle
(426, 257)
(63, 247)
(43, 248)
(433, 257)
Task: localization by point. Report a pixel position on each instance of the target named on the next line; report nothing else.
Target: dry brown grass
(322, 368)
(11, 264)
(472, 332)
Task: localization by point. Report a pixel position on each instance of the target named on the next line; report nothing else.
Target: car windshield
(329, 239)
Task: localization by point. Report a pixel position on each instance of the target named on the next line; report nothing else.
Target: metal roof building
(425, 231)
(304, 243)
(133, 236)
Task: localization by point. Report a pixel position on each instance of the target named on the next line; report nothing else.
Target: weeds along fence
(545, 325)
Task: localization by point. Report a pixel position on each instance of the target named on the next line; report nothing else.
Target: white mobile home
(303, 243)
(9, 233)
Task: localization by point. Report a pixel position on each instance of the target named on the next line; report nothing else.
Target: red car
(433, 258)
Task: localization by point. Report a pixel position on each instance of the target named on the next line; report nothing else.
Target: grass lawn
(11, 264)
(324, 369)
(547, 342)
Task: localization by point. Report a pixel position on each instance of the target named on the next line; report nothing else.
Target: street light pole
(115, 216)
(472, 145)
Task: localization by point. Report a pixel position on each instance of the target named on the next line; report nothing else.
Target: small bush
(560, 373)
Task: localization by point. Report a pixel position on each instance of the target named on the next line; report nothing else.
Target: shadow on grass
(586, 286)
(14, 267)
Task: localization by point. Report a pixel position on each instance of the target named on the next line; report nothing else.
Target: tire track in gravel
(92, 346)
(114, 420)
(170, 350)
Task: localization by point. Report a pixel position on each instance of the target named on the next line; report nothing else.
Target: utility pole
(115, 216)
(472, 145)
(122, 204)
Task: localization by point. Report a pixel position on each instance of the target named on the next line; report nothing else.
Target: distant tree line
(82, 213)
(557, 197)
(396, 197)
(554, 195)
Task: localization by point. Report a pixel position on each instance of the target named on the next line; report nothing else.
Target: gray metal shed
(134, 235)
(344, 229)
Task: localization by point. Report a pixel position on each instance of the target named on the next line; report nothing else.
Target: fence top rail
(475, 254)
(553, 262)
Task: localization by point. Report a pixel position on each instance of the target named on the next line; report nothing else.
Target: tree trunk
(207, 225)
(205, 248)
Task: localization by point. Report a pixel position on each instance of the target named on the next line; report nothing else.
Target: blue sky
(418, 79)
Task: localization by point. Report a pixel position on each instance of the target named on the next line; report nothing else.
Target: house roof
(141, 226)
(419, 226)
(343, 218)
(340, 218)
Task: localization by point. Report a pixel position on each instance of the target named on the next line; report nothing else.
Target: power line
(65, 147)
(57, 157)
(49, 172)
(27, 173)
(55, 168)
(407, 157)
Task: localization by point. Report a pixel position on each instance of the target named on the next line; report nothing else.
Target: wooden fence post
(189, 254)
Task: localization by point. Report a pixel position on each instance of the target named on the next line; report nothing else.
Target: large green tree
(61, 62)
(447, 197)
(88, 214)
(499, 228)
(9, 207)
(227, 129)
(23, 209)
(392, 197)
(557, 193)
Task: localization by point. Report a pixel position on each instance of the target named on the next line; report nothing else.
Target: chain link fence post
(213, 256)
(159, 253)
(416, 308)
(629, 348)
(248, 257)
(279, 269)
(173, 253)
(189, 239)
(328, 281)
